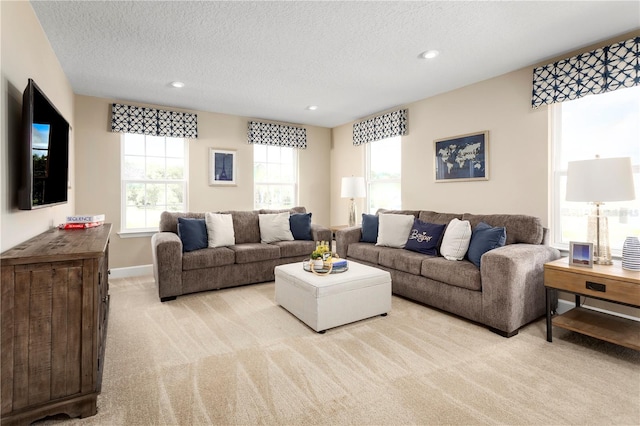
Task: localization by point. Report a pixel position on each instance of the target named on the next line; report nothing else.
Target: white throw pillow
(219, 230)
(275, 227)
(455, 242)
(393, 229)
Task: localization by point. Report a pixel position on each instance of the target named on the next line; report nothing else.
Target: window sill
(136, 234)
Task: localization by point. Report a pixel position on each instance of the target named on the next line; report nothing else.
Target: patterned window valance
(602, 70)
(154, 122)
(277, 134)
(380, 127)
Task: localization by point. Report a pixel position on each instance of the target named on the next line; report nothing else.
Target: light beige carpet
(234, 357)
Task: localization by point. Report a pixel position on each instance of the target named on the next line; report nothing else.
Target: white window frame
(370, 181)
(558, 173)
(148, 231)
(295, 174)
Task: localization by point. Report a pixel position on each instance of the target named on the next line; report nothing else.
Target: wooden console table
(604, 282)
(55, 306)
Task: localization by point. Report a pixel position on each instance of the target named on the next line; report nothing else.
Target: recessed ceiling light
(312, 107)
(429, 54)
(177, 84)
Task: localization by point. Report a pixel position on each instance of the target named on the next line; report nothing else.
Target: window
(607, 125)
(275, 178)
(383, 168)
(154, 179)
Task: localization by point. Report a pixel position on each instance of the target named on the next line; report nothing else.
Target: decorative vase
(318, 264)
(631, 254)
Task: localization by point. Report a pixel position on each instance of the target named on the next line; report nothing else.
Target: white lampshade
(353, 187)
(600, 180)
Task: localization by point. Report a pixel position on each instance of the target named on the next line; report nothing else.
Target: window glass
(607, 125)
(274, 177)
(384, 173)
(153, 180)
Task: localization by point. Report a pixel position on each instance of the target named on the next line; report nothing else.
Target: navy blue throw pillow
(484, 238)
(300, 225)
(369, 228)
(424, 237)
(192, 233)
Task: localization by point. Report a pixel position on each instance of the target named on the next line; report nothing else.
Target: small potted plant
(318, 255)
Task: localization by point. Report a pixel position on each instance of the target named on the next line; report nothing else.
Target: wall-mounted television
(44, 152)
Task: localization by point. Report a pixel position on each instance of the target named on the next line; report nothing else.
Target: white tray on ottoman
(327, 301)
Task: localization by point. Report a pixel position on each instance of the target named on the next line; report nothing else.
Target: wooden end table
(604, 282)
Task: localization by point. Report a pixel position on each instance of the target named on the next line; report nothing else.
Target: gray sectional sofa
(505, 293)
(248, 261)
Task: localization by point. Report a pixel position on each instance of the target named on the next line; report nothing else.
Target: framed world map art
(462, 158)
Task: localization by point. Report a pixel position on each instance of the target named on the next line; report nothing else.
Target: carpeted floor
(235, 357)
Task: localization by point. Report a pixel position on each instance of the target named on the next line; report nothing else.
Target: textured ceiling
(270, 60)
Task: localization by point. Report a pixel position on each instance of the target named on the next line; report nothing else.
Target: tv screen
(44, 151)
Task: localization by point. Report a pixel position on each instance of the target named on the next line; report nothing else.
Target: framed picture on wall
(462, 158)
(222, 167)
(581, 254)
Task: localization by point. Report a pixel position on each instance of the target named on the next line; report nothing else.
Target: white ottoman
(323, 302)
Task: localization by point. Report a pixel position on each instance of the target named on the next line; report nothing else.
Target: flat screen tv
(44, 152)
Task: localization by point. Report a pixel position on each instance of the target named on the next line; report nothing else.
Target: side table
(335, 228)
(604, 282)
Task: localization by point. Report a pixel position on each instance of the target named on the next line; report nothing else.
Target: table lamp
(353, 187)
(597, 181)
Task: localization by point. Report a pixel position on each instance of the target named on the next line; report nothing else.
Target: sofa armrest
(166, 250)
(347, 236)
(320, 233)
(513, 291)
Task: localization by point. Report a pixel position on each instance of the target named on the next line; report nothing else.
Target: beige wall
(26, 53)
(518, 151)
(98, 172)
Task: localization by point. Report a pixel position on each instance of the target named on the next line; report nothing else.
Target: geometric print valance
(277, 134)
(380, 127)
(153, 122)
(601, 70)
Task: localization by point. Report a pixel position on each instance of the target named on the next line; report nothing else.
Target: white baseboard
(132, 271)
(565, 305)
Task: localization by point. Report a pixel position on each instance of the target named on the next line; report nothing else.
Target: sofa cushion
(245, 225)
(401, 260)
(484, 238)
(438, 218)
(366, 252)
(291, 210)
(520, 228)
(192, 233)
(300, 225)
(255, 252)
(207, 258)
(414, 213)
(370, 223)
(295, 248)
(462, 274)
(455, 241)
(393, 230)
(275, 227)
(219, 229)
(424, 237)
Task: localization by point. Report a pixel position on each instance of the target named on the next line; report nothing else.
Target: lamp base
(598, 234)
(352, 213)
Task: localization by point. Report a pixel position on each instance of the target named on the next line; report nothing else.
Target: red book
(79, 225)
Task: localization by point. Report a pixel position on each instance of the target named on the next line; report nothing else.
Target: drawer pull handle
(596, 286)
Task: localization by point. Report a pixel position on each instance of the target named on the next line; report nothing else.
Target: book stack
(339, 263)
(83, 222)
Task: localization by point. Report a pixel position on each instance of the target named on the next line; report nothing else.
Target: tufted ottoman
(323, 302)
